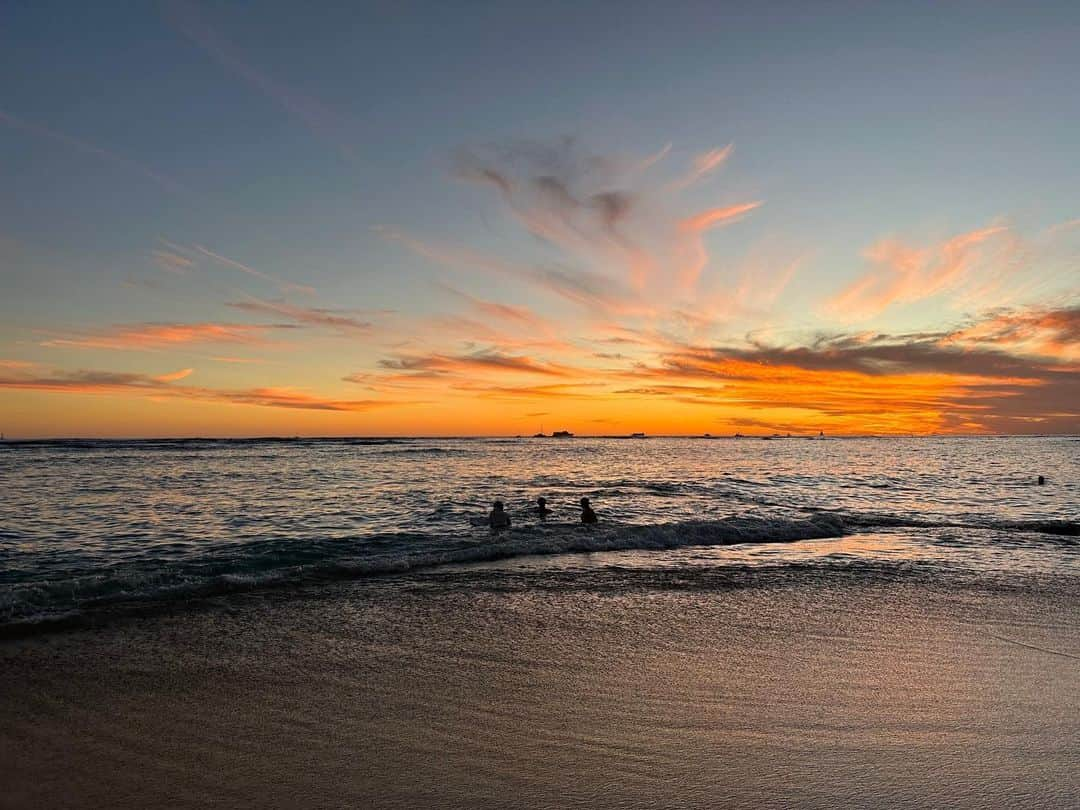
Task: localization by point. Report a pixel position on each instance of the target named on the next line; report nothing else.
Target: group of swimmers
(499, 519)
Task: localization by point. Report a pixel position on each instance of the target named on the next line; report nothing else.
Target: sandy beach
(655, 691)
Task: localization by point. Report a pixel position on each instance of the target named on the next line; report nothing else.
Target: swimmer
(541, 507)
(498, 519)
(587, 514)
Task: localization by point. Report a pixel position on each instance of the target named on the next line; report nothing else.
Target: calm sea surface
(92, 527)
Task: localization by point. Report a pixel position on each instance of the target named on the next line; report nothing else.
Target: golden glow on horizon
(703, 396)
(631, 327)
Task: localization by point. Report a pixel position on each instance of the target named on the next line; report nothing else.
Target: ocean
(91, 529)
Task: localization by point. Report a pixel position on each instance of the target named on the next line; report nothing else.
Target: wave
(80, 595)
(877, 520)
(425, 451)
(278, 563)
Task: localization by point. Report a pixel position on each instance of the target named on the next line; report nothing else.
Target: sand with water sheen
(616, 688)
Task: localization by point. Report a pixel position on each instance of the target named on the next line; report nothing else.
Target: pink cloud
(905, 274)
(599, 216)
(704, 164)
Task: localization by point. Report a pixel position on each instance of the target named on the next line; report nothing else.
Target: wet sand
(417, 693)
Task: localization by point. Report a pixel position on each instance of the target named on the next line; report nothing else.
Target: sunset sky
(234, 219)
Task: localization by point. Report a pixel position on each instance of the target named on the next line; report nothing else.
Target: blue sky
(290, 138)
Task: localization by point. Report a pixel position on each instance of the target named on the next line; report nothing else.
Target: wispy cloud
(42, 131)
(558, 391)
(189, 20)
(901, 274)
(598, 217)
(173, 376)
(589, 290)
(337, 319)
(692, 256)
(285, 286)
(242, 360)
(171, 262)
(705, 164)
(164, 386)
(518, 315)
(163, 335)
(483, 361)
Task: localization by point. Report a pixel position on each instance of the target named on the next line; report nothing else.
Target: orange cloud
(174, 376)
(984, 376)
(856, 383)
(162, 386)
(222, 359)
(559, 391)
(162, 335)
(1053, 333)
(479, 361)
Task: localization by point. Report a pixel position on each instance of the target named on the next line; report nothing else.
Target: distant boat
(637, 435)
(562, 434)
(539, 435)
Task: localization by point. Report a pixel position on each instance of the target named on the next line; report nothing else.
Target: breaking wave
(278, 563)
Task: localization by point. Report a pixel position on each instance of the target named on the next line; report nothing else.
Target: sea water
(91, 528)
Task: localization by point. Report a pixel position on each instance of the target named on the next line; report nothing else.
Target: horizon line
(478, 436)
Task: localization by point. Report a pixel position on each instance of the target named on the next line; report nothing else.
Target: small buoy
(1041, 480)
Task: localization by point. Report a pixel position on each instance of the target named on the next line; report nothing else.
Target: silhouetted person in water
(541, 507)
(1041, 480)
(587, 514)
(498, 519)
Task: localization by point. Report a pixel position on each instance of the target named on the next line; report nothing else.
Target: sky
(268, 218)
